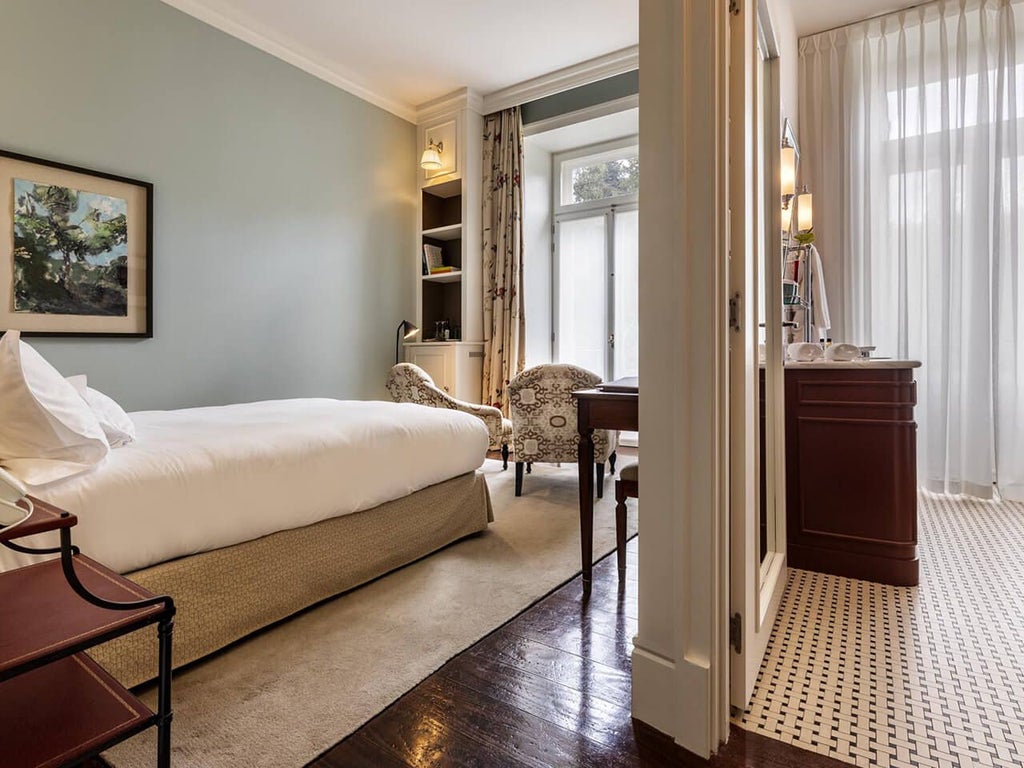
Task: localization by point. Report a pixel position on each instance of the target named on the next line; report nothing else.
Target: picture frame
(76, 250)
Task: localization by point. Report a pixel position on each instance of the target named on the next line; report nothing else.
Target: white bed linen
(204, 478)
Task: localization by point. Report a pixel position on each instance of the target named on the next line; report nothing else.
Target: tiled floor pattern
(930, 676)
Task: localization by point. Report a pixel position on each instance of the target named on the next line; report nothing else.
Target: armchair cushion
(409, 383)
(544, 414)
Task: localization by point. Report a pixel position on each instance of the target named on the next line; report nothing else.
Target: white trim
(584, 73)
(291, 52)
(443, 106)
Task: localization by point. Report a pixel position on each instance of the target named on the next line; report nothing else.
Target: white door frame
(680, 658)
(756, 585)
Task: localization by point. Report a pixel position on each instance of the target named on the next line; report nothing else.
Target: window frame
(559, 159)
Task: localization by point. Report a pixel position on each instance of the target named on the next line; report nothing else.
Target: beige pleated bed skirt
(224, 595)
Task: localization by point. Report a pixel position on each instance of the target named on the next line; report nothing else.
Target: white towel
(822, 321)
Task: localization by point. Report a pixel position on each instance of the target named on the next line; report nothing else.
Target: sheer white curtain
(912, 127)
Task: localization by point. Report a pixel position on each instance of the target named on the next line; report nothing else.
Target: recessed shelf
(444, 277)
(451, 232)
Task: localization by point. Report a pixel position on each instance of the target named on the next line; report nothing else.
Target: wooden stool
(626, 487)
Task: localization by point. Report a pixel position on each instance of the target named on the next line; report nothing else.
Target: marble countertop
(855, 364)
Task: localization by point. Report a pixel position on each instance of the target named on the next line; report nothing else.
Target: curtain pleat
(504, 323)
(912, 130)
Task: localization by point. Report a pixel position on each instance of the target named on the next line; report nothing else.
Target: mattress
(200, 479)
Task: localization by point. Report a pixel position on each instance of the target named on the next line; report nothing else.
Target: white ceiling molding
(582, 115)
(584, 73)
(289, 51)
(443, 105)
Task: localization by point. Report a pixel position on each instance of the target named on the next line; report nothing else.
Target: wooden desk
(598, 409)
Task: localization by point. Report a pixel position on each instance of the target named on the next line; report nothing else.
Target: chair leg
(620, 530)
(611, 463)
(600, 480)
(519, 478)
(529, 467)
(504, 456)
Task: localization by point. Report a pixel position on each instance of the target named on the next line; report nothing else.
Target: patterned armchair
(544, 419)
(409, 383)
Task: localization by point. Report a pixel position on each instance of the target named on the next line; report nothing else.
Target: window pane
(582, 294)
(601, 176)
(627, 290)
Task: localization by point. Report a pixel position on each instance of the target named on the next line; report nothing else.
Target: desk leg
(586, 462)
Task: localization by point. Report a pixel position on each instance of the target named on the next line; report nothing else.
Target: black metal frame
(165, 635)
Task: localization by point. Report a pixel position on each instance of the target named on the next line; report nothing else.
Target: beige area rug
(284, 696)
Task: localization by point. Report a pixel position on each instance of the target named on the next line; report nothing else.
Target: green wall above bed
(284, 207)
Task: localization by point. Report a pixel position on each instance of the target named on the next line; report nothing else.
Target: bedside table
(57, 706)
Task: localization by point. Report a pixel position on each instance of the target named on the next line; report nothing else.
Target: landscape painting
(70, 251)
(76, 250)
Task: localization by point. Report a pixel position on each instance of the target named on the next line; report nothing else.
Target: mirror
(776, 190)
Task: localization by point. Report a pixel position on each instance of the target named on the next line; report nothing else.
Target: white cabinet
(455, 366)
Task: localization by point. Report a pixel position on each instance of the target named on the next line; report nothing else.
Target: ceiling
(818, 15)
(400, 54)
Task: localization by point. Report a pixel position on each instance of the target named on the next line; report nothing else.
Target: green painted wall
(600, 92)
(284, 212)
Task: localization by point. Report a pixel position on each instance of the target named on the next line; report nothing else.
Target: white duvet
(204, 478)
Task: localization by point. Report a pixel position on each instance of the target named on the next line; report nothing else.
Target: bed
(248, 513)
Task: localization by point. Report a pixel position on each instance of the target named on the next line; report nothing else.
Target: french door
(596, 290)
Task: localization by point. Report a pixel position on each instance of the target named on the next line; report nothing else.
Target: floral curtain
(504, 324)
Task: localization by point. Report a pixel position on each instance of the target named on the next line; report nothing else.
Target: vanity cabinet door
(851, 473)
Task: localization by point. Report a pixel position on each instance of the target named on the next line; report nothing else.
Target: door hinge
(611, 340)
(734, 7)
(736, 632)
(734, 312)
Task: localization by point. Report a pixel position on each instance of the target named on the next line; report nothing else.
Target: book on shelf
(432, 256)
(442, 270)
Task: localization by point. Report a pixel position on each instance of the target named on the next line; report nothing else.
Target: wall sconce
(804, 210)
(788, 169)
(431, 160)
(787, 218)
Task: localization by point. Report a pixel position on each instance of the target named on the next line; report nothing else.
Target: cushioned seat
(409, 383)
(630, 472)
(544, 418)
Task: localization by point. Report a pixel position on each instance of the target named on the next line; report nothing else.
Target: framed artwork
(76, 250)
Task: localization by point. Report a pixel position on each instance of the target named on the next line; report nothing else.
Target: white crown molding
(290, 52)
(584, 73)
(464, 98)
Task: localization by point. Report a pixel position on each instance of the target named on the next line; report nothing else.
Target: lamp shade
(788, 170)
(431, 160)
(804, 211)
(787, 218)
(405, 330)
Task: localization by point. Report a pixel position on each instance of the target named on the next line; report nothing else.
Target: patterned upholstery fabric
(544, 414)
(409, 383)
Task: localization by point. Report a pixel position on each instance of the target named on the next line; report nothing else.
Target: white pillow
(47, 432)
(117, 425)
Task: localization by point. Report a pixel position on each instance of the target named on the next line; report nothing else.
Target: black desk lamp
(406, 330)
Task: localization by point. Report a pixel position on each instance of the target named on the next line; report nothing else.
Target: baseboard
(673, 698)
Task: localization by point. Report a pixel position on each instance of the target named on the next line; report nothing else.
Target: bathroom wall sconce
(431, 160)
(788, 172)
(804, 210)
(787, 217)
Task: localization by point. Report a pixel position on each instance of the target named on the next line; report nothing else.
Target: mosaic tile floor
(929, 676)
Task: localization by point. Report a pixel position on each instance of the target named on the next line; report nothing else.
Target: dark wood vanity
(851, 469)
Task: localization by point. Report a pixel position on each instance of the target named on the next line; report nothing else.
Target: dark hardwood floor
(549, 689)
